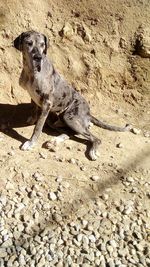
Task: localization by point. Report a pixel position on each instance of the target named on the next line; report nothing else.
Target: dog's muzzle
(37, 57)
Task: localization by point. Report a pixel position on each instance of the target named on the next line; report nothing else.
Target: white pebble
(136, 131)
(95, 178)
(52, 196)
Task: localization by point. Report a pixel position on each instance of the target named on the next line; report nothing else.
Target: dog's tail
(104, 125)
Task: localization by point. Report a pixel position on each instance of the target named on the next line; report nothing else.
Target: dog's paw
(93, 154)
(27, 145)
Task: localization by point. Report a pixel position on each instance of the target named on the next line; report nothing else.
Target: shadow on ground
(16, 116)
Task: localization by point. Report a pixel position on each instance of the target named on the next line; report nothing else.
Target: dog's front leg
(38, 127)
(34, 115)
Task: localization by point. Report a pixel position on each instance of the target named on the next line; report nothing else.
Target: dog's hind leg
(78, 124)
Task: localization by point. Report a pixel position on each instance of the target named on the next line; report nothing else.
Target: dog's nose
(37, 57)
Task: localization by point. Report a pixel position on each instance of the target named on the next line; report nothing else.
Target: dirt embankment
(92, 43)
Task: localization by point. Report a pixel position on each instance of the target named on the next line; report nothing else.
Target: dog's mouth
(37, 62)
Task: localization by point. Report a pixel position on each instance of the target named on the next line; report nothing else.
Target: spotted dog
(52, 93)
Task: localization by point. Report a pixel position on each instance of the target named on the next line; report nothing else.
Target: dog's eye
(42, 44)
(30, 43)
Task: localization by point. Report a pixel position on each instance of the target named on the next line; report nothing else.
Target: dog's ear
(46, 44)
(19, 41)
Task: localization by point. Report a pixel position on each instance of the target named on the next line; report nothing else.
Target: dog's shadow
(16, 116)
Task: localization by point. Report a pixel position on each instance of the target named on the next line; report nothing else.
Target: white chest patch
(32, 90)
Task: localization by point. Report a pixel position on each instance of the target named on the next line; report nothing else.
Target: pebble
(113, 243)
(147, 134)
(136, 131)
(127, 210)
(20, 227)
(134, 190)
(57, 217)
(37, 176)
(19, 207)
(79, 237)
(10, 186)
(84, 223)
(95, 178)
(66, 185)
(59, 179)
(83, 168)
(72, 160)
(119, 145)
(111, 263)
(92, 238)
(130, 179)
(3, 253)
(105, 197)
(52, 196)
(7, 243)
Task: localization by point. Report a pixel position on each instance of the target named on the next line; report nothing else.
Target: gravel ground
(36, 231)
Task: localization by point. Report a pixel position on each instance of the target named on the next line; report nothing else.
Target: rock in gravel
(20, 227)
(52, 196)
(10, 186)
(84, 223)
(79, 237)
(3, 253)
(72, 160)
(59, 179)
(83, 168)
(3, 200)
(66, 185)
(21, 259)
(7, 243)
(41, 262)
(113, 243)
(127, 210)
(19, 208)
(111, 263)
(136, 131)
(130, 179)
(105, 196)
(57, 217)
(134, 190)
(37, 176)
(119, 145)
(146, 134)
(95, 178)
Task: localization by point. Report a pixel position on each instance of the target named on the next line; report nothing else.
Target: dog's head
(33, 45)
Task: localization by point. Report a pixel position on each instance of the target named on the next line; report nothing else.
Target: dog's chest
(36, 89)
(31, 85)
(34, 93)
